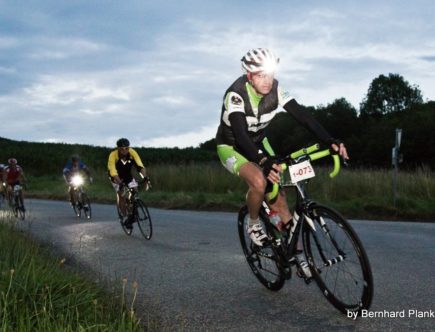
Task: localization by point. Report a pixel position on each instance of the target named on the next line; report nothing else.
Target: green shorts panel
(230, 158)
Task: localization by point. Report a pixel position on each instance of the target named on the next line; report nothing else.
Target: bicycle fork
(334, 260)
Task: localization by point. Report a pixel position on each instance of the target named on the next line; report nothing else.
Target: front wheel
(143, 219)
(86, 206)
(261, 260)
(19, 210)
(76, 204)
(122, 220)
(337, 260)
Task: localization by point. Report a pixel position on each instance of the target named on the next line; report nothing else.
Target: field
(356, 193)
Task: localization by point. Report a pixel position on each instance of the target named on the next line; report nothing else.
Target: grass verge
(42, 292)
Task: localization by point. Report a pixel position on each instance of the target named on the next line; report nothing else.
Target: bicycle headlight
(77, 180)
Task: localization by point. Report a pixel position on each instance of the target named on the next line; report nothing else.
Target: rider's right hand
(270, 170)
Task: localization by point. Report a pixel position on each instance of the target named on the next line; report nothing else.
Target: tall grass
(40, 292)
(358, 193)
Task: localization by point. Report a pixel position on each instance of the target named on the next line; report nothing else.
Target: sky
(155, 72)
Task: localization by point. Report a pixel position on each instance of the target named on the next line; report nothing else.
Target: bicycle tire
(344, 278)
(86, 206)
(21, 209)
(121, 221)
(15, 206)
(76, 205)
(261, 260)
(143, 219)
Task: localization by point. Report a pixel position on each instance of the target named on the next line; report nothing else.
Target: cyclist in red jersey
(13, 175)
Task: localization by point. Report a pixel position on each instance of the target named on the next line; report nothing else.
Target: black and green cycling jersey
(245, 116)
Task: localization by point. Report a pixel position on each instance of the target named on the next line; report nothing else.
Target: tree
(388, 95)
(339, 118)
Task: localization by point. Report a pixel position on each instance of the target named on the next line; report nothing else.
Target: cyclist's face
(123, 151)
(262, 82)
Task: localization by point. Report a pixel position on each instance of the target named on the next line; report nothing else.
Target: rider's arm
(136, 159)
(241, 135)
(308, 121)
(111, 164)
(85, 169)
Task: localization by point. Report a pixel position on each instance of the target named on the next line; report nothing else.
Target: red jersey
(13, 174)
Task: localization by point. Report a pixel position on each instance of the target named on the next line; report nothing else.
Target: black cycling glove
(267, 166)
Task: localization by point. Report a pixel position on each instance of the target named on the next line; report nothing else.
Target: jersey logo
(236, 100)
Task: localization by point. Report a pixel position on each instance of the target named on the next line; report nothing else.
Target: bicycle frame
(288, 247)
(323, 231)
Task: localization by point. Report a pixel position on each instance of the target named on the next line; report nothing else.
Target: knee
(258, 184)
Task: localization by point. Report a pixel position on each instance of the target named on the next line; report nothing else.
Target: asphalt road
(192, 274)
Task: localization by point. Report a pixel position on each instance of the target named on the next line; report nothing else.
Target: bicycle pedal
(301, 275)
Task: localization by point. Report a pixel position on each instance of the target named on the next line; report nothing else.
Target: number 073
(301, 171)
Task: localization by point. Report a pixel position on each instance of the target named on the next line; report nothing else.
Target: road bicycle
(16, 203)
(136, 208)
(80, 200)
(335, 255)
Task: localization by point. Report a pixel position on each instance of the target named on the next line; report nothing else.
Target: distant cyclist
(249, 105)
(72, 167)
(120, 165)
(2, 187)
(13, 175)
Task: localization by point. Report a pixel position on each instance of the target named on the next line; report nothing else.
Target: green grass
(356, 193)
(41, 292)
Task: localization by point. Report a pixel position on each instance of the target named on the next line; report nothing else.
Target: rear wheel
(338, 260)
(143, 219)
(261, 260)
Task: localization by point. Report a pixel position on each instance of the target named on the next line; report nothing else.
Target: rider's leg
(280, 205)
(71, 195)
(237, 164)
(253, 176)
(122, 204)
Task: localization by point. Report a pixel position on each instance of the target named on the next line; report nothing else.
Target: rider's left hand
(147, 182)
(341, 149)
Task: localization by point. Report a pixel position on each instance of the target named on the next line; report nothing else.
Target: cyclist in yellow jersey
(120, 164)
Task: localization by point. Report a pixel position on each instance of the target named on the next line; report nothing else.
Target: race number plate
(301, 171)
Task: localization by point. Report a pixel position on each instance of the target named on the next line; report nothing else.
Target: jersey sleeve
(283, 96)
(111, 164)
(234, 103)
(136, 158)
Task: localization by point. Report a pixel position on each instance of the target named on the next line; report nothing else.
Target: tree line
(369, 133)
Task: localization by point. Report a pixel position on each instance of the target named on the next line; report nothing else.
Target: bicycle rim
(143, 219)
(262, 260)
(344, 276)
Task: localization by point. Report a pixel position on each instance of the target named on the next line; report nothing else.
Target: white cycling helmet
(260, 59)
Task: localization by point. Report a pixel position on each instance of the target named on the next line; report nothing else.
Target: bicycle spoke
(341, 268)
(262, 260)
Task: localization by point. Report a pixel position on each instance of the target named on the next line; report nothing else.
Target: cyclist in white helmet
(249, 105)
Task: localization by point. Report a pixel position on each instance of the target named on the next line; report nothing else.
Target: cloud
(156, 73)
(182, 140)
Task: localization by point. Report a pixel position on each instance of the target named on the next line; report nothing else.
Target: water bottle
(274, 218)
